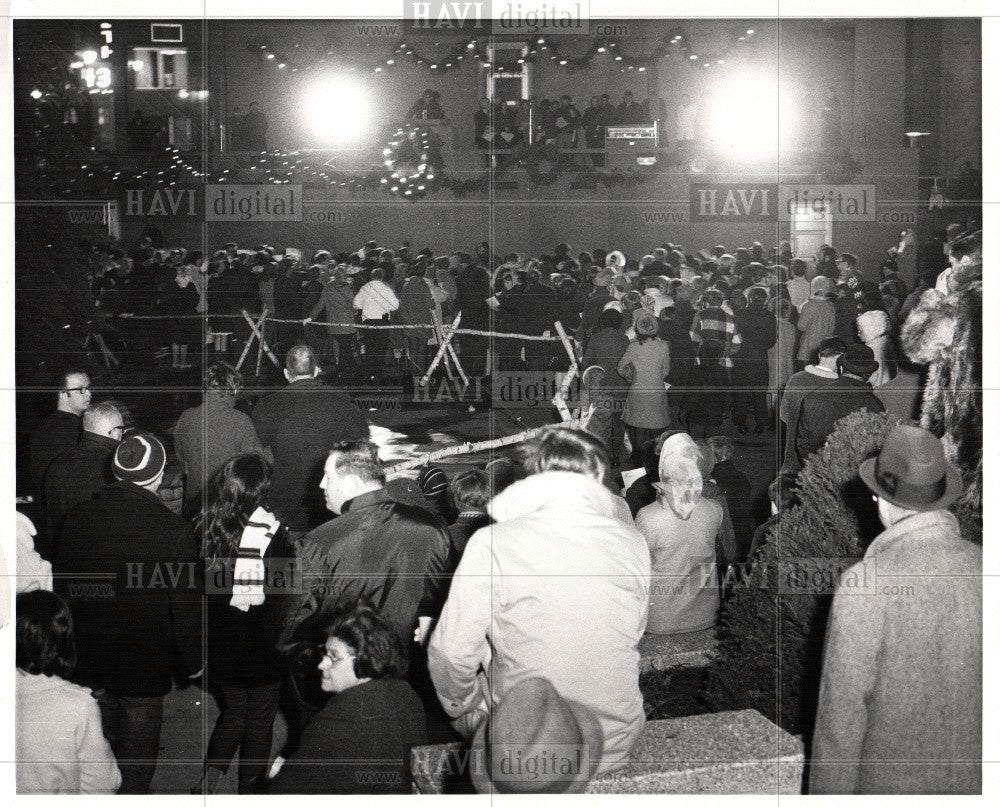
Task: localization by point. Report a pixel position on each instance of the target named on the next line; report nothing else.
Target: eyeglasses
(334, 660)
(81, 390)
(113, 429)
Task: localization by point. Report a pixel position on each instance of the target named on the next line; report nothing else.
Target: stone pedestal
(722, 753)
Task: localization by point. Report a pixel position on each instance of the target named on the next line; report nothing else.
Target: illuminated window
(159, 68)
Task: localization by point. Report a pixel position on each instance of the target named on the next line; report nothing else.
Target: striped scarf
(248, 573)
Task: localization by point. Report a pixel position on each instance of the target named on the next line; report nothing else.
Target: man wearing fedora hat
(900, 704)
(823, 407)
(536, 742)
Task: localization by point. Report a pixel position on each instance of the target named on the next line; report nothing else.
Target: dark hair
(45, 643)
(63, 377)
(966, 246)
(358, 458)
(377, 649)
(832, 346)
(223, 377)
(300, 361)
(471, 490)
(566, 289)
(610, 318)
(563, 449)
(237, 489)
(798, 267)
(503, 473)
(782, 492)
(378, 273)
(871, 301)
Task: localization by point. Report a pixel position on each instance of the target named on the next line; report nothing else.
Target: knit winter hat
(139, 459)
(432, 481)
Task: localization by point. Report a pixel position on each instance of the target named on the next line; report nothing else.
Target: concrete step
(722, 753)
(694, 649)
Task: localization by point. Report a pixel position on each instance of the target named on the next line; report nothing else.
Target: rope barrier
(429, 327)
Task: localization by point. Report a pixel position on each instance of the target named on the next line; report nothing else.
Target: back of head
(503, 473)
(140, 459)
(722, 447)
(300, 362)
(471, 491)
(101, 418)
(45, 642)
(236, 490)
(223, 379)
(832, 346)
(562, 449)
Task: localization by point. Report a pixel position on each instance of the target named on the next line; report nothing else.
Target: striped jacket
(714, 323)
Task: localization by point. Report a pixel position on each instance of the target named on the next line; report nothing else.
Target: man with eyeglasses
(76, 475)
(57, 433)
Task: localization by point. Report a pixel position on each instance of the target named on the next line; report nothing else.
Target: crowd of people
(504, 605)
(501, 125)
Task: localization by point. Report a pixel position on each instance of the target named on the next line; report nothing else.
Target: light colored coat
(60, 744)
(647, 406)
(558, 588)
(684, 595)
(901, 699)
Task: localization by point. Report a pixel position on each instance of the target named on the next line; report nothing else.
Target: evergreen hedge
(772, 626)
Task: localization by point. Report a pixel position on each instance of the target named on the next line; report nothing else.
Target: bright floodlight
(336, 109)
(743, 115)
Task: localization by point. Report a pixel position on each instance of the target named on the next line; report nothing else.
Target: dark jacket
(707, 395)
(461, 531)
(473, 284)
(381, 547)
(822, 408)
(126, 542)
(76, 475)
(359, 743)
(845, 322)
(56, 433)
(591, 313)
(736, 488)
(759, 331)
(300, 424)
(605, 348)
(241, 644)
